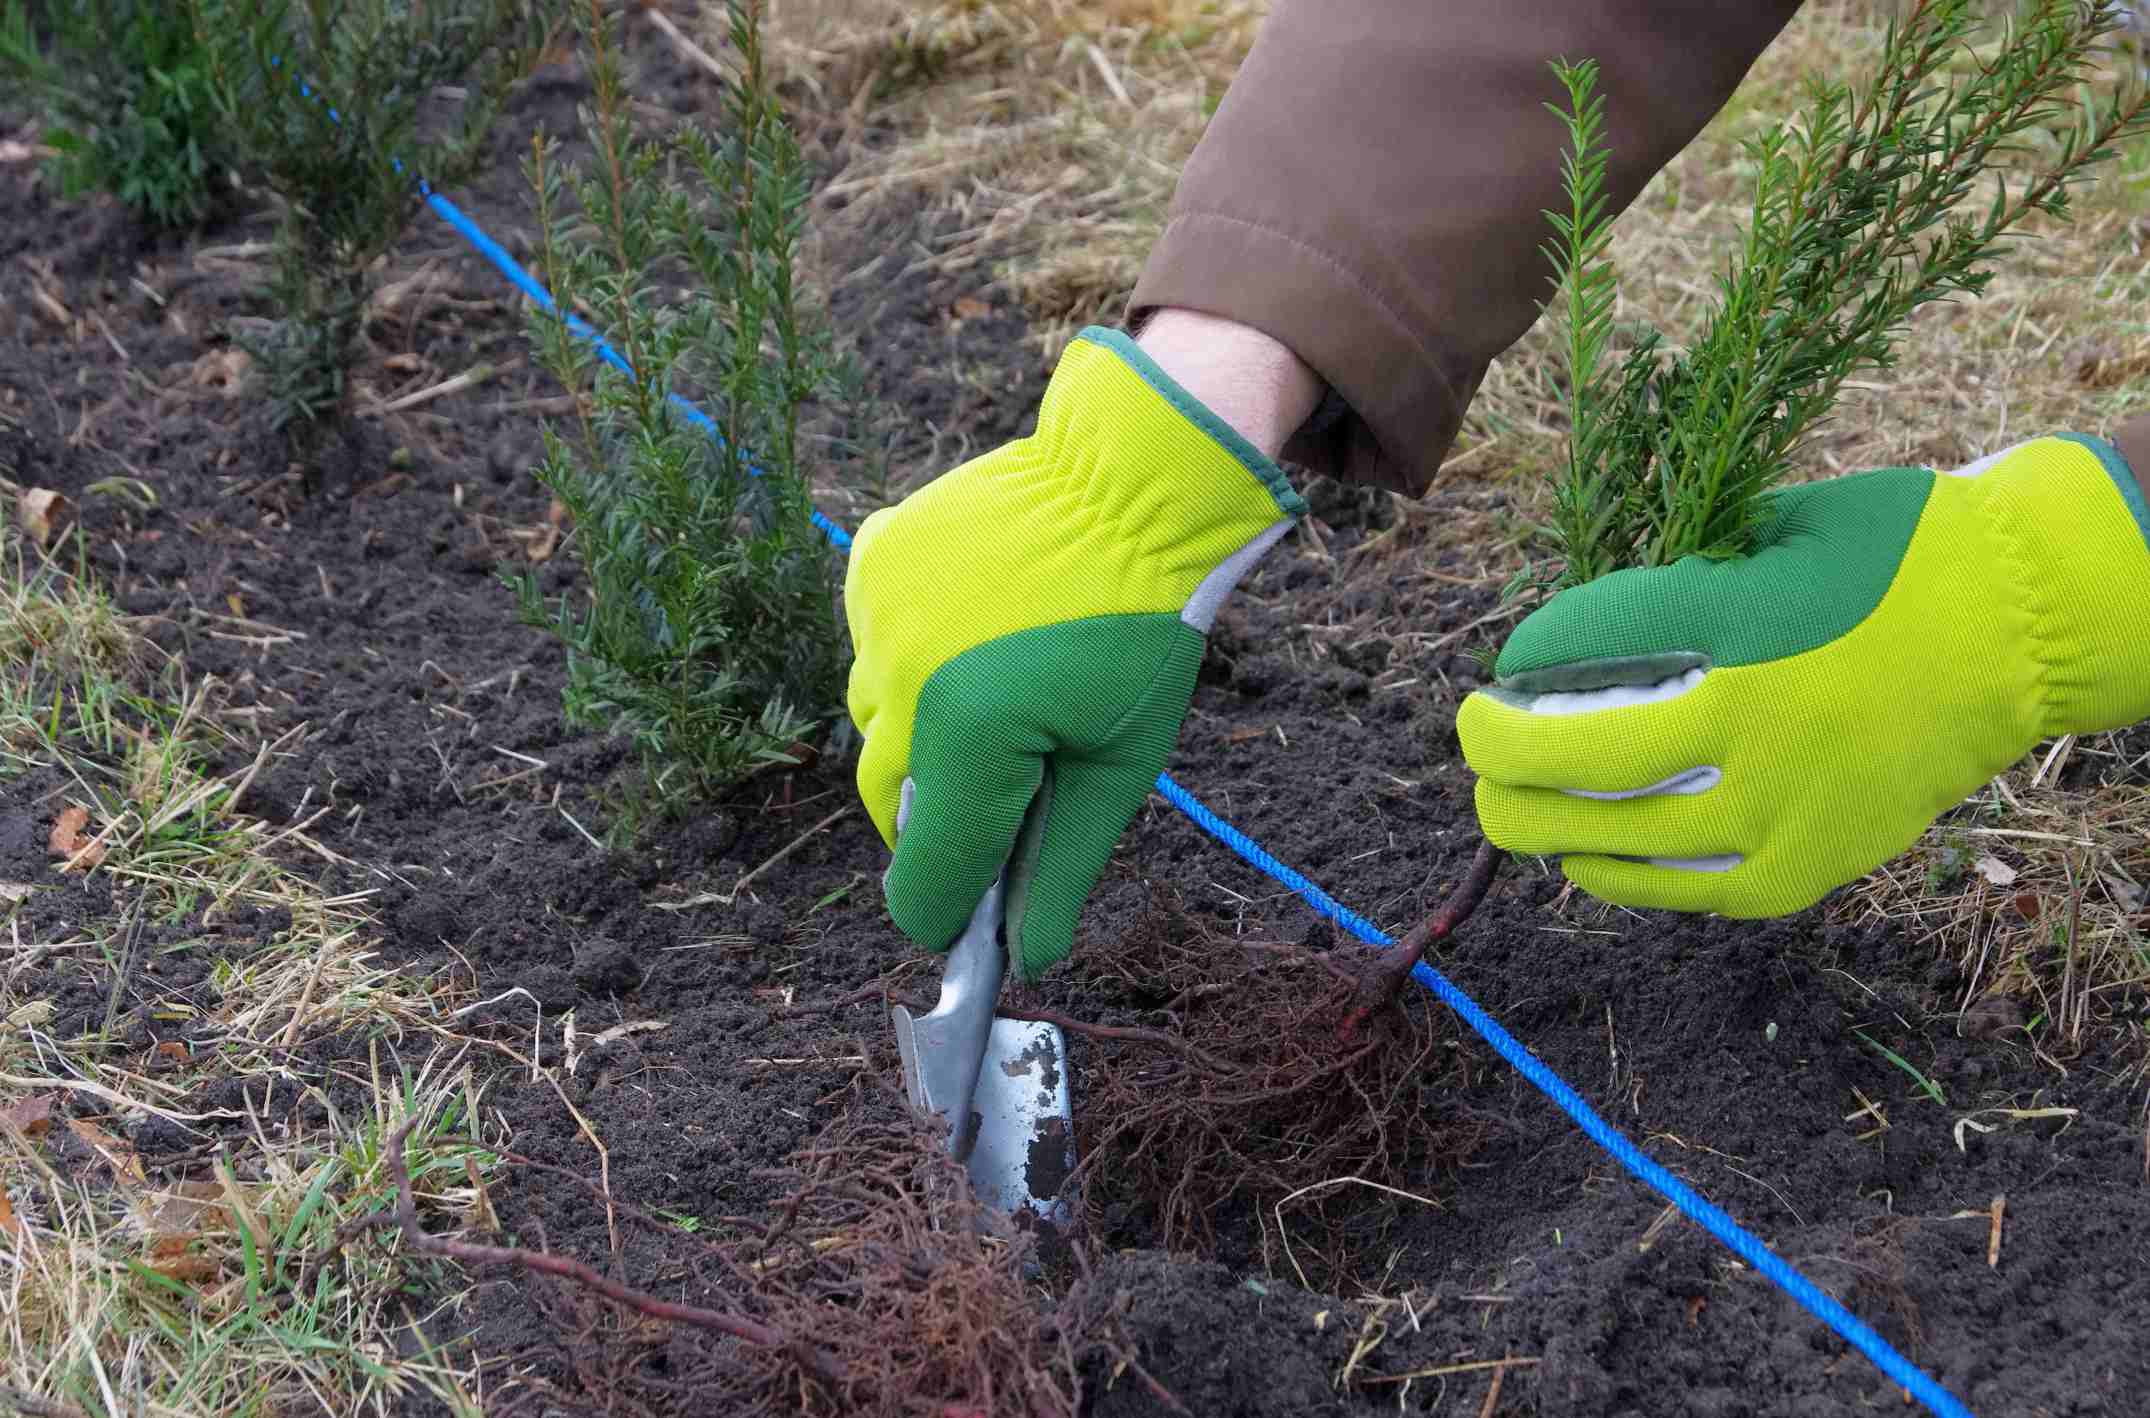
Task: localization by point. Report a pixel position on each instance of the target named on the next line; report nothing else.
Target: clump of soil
(1234, 1090)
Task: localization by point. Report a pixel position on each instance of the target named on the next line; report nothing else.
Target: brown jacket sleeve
(1372, 190)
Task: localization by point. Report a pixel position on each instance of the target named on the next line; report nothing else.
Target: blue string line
(1817, 1301)
(1718, 1223)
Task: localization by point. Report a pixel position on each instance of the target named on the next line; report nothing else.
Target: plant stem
(1382, 983)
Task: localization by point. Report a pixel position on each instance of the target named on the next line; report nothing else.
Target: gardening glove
(1028, 627)
(1743, 736)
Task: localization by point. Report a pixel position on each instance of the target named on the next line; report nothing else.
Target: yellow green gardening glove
(1743, 736)
(1028, 627)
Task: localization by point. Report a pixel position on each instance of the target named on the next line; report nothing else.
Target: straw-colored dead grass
(2038, 891)
(1049, 133)
(159, 1279)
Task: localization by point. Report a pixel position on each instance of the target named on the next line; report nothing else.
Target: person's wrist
(1252, 382)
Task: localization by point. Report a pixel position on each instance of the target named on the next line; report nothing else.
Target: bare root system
(874, 1285)
(1236, 1089)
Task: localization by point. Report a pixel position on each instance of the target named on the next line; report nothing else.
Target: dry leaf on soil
(32, 1014)
(43, 513)
(10, 1223)
(125, 1165)
(1996, 871)
(30, 1116)
(67, 839)
(223, 370)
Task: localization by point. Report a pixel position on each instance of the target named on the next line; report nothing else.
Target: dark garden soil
(1728, 1050)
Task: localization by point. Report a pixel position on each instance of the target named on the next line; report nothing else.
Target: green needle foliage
(1864, 209)
(709, 636)
(346, 157)
(126, 93)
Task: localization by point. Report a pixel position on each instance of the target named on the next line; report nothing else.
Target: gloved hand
(1744, 736)
(1029, 625)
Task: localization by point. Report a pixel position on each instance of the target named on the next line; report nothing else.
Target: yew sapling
(124, 87)
(708, 635)
(1872, 204)
(340, 107)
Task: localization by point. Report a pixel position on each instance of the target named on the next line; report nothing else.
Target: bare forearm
(1241, 375)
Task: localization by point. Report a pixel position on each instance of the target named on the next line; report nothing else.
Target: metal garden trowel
(1001, 1083)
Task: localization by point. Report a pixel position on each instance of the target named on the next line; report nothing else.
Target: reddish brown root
(1221, 1080)
(1383, 979)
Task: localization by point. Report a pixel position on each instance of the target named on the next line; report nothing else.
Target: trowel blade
(1018, 1138)
(1024, 1146)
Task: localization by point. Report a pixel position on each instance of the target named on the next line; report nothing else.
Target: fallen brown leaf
(223, 370)
(125, 1165)
(969, 307)
(9, 1221)
(174, 1050)
(68, 841)
(30, 1116)
(189, 1270)
(43, 513)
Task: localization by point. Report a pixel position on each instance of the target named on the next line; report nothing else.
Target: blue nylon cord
(1718, 1223)
(1817, 1301)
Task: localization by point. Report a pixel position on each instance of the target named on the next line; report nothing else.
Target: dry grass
(1049, 133)
(2039, 891)
(152, 1280)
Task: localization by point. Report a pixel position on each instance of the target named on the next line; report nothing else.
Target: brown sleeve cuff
(2133, 440)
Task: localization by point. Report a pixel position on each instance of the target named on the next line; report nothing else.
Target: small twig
(1382, 982)
(688, 49)
(36, 1407)
(1493, 1391)
(1993, 1237)
(469, 378)
(1498, 1366)
(405, 1219)
(726, 898)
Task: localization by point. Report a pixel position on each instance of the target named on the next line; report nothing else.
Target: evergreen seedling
(126, 91)
(338, 106)
(1872, 204)
(708, 636)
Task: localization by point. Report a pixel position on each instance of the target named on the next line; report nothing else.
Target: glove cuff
(2078, 534)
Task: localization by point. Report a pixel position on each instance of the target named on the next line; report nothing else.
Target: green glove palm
(1027, 630)
(1743, 736)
